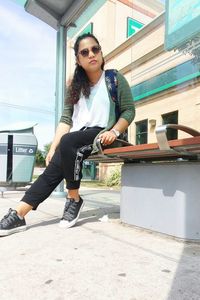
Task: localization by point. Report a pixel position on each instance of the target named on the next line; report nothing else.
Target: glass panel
(183, 24)
(165, 81)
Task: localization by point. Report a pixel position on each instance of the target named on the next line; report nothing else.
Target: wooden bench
(160, 183)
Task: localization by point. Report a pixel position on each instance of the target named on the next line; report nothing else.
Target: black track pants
(65, 164)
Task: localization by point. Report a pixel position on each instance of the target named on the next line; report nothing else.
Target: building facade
(165, 85)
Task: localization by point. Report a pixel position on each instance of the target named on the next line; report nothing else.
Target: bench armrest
(161, 134)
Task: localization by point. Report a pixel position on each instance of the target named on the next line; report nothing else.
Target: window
(171, 118)
(141, 132)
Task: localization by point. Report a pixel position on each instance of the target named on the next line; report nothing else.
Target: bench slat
(186, 148)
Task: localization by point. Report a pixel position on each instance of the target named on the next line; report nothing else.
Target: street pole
(60, 88)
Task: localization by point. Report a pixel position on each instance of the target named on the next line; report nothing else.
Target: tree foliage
(41, 155)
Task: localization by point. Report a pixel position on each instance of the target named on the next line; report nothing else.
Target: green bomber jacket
(126, 104)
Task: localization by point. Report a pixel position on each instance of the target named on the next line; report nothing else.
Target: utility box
(18, 148)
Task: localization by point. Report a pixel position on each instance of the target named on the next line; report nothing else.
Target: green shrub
(39, 159)
(46, 149)
(114, 178)
(41, 155)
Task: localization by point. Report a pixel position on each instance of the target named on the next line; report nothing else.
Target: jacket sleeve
(125, 98)
(67, 112)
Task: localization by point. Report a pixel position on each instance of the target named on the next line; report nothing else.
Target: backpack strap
(112, 84)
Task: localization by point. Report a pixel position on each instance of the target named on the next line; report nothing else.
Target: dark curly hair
(80, 82)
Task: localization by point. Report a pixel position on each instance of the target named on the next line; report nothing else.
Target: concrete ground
(96, 259)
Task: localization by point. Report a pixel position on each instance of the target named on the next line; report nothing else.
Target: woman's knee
(67, 142)
(64, 142)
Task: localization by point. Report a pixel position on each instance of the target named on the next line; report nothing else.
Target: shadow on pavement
(91, 215)
(186, 280)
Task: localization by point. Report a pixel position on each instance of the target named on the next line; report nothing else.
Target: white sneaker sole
(67, 224)
(11, 231)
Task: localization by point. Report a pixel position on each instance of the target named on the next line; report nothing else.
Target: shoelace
(69, 213)
(67, 203)
(8, 218)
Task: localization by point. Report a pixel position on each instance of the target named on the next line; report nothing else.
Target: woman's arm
(108, 137)
(127, 112)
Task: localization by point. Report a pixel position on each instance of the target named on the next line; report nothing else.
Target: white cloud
(24, 25)
(26, 39)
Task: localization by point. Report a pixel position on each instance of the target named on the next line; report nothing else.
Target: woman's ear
(77, 61)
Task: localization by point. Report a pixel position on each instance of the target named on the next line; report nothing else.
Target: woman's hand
(49, 156)
(61, 129)
(107, 137)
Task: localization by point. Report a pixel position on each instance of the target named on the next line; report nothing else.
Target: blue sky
(27, 70)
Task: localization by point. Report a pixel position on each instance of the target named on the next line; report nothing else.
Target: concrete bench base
(163, 197)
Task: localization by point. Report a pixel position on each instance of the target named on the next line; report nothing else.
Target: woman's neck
(94, 77)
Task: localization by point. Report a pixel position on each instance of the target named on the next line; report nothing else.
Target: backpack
(112, 84)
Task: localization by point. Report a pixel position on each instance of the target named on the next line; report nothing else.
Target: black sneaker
(71, 213)
(11, 223)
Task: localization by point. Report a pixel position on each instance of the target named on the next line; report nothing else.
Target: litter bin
(18, 146)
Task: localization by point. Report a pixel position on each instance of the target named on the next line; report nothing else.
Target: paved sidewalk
(94, 260)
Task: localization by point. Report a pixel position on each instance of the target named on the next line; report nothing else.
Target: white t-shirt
(92, 111)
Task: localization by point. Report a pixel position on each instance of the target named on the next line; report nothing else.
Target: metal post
(60, 87)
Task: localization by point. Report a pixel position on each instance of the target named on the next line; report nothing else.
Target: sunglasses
(95, 50)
